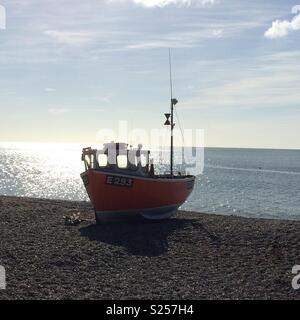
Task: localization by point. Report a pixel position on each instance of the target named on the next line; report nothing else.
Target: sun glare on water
(41, 170)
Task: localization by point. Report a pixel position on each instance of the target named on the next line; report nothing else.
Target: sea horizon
(262, 183)
(40, 143)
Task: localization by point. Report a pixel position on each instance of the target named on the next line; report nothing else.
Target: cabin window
(143, 160)
(102, 160)
(122, 161)
(132, 158)
(92, 161)
(88, 161)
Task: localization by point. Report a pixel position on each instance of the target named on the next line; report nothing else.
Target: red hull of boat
(141, 195)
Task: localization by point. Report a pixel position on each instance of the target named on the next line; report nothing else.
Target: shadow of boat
(140, 237)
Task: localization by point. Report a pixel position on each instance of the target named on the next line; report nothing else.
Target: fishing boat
(121, 180)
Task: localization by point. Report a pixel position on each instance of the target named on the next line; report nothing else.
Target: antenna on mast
(170, 70)
(171, 115)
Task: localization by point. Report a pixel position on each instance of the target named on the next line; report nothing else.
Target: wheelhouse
(119, 158)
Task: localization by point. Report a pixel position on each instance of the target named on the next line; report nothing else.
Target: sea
(261, 183)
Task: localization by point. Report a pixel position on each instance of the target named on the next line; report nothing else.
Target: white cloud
(218, 33)
(105, 99)
(69, 37)
(164, 3)
(184, 39)
(270, 81)
(50, 89)
(281, 28)
(57, 111)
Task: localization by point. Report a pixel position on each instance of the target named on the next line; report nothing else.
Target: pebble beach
(191, 256)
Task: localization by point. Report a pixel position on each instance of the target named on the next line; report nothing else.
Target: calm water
(247, 182)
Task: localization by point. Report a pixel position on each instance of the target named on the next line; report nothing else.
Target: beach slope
(192, 256)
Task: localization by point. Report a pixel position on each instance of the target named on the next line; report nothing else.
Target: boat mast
(168, 115)
(173, 103)
(172, 119)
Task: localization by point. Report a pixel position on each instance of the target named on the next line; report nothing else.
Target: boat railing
(134, 160)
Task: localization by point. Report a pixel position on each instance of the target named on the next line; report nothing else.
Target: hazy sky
(69, 68)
